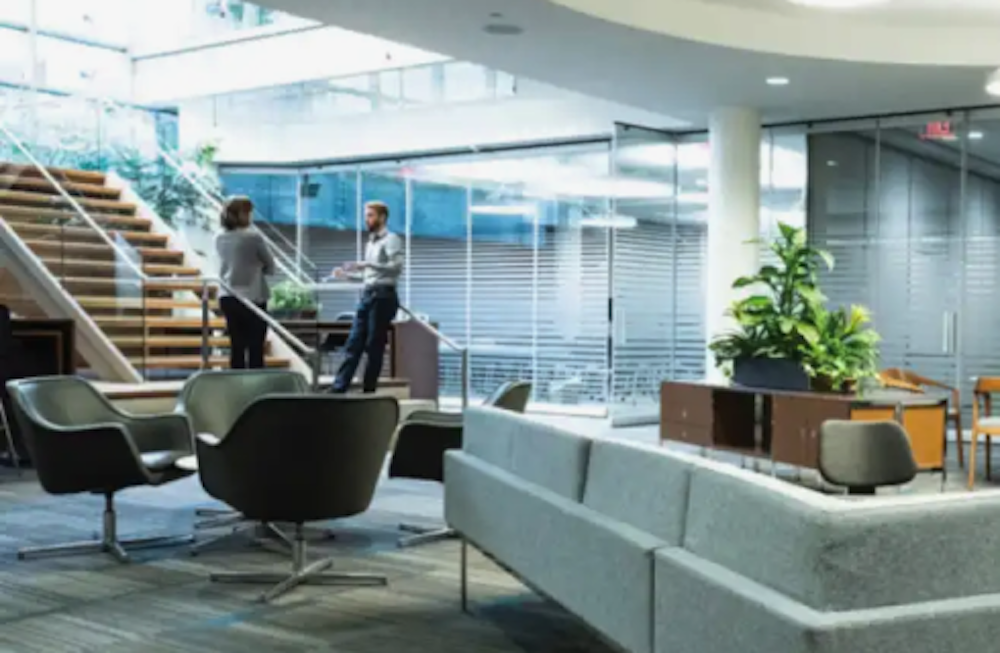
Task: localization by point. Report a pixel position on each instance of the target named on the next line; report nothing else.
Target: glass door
(979, 326)
(643, 285)
(920, 236)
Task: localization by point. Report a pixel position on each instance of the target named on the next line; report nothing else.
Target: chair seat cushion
(161, 461)
(989, 422)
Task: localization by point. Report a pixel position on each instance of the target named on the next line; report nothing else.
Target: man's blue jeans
(372, 319)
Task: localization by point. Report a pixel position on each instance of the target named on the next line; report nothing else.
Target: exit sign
(939, 130)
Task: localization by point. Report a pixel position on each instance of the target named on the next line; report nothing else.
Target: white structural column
(733, 212)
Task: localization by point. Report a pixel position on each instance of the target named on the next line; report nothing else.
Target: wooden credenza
(38, 347)
(784, 426)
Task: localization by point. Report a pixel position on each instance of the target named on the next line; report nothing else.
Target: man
(380, 271)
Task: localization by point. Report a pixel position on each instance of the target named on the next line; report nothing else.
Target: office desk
(412, 351)
(784, 426)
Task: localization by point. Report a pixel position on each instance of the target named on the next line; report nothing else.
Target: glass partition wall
(910, 207)
(579, 268)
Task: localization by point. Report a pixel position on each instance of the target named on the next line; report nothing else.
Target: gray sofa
(669, 553)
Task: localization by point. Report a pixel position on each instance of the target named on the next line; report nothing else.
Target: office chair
(298, 459)
(79, 442)
(424, 437)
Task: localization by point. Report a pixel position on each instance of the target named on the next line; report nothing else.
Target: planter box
(770, 373)
(294, 315)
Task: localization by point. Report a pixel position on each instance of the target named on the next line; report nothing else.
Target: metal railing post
(205, 353)
(317, 368)
(465, 378)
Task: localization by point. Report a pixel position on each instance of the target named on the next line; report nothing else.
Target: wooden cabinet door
(795, 425)
(685, 408)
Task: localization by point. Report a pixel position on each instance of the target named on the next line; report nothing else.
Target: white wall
(537, 113)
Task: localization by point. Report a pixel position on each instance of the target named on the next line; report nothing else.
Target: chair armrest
(434, 418)
(103, 452)
(420, 449)
(209, 440)
(167, 432)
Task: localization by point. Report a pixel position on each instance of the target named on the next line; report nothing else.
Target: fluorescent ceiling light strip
(504, 209)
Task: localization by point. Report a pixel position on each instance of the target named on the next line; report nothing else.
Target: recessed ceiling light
(993, 83)
(838, 4)
(503, 29)
(831, 163)
(976, 135)
(777, 81)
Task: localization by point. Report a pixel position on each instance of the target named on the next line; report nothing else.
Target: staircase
(155, 325)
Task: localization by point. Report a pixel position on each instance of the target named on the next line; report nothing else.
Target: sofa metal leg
(424, 535)
(464, 573)
(301, 574)
(109, 542)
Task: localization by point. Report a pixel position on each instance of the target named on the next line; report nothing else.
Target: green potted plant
(786, 338)
(290, 301)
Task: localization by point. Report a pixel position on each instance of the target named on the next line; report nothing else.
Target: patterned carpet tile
(163, 601)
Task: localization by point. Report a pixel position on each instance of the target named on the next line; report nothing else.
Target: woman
(244, 262)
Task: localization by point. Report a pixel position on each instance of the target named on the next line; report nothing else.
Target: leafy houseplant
(785, 327)
(290, 301)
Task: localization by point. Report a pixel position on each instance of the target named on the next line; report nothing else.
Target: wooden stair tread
(45, 199)
(149, 268)
(148, 286)
(32, 213)
(154, 322)
(82, 176)
(74, 188)
(87, 233)
(193, 362)
(164, 342)
(101, 248)
(139, 303)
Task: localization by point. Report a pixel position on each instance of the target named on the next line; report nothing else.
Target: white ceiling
(685, 77)
(926, 13)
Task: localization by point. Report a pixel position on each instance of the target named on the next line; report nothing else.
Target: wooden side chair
(983, 422)
(912, 382)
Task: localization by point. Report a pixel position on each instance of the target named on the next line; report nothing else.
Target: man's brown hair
(236, 212)
(379, 207)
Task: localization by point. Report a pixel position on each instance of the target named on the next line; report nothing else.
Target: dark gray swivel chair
(213, 401)
(863, 456)
(79, 442)
(424, 437)
(299, 459)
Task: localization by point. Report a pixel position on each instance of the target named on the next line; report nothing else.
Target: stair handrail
(312, 354)
(216, 200)
(141, 275)
(463, 351)
(116, 247)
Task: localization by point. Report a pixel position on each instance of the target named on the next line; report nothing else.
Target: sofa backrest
(551, 457)
(644, 487)
(834, 554)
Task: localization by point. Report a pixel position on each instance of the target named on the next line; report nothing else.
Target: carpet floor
(163, 601)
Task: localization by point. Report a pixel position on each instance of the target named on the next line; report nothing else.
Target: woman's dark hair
(236, 213)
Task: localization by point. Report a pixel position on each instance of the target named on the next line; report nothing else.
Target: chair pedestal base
(109, 542)
(424, 535)
(301, 574)
(266, 536)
